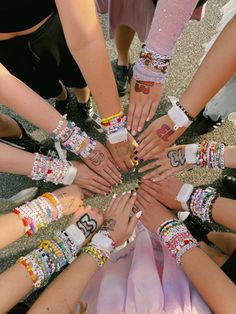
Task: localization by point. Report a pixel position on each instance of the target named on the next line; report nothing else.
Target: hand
(169, 161)
(88, 220)
(165, 191)
(154, 213)
(71, 198)
(102, 163)
(123, 153)
(156, 137)
(90, 180)
(143, 101)
(117, 218)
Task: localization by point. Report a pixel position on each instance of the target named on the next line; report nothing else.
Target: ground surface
(187, 55)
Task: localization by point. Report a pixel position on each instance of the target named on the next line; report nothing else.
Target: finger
(123, 201)
(145, 134)
(107, 177)
(156, 172)
(147, 140)
(140, 204)
(132, 223)
(143, 117)
(149, 190)
(136, 118)
(96, 190)
(112, 203)
(153, 109)
(100, 187)
(129, 163)
(130, 115)
(164, 175)
(123, 166)
(116, 175)
(149, 166)
(149, 154)
(130, 204)
(87, 193)
(101, 181)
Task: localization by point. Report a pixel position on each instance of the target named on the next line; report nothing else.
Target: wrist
(184, 194)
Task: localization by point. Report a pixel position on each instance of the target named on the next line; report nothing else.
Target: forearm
(15, 283)
(230, 157)
(11, 229)
(219, 291)
(216, 69)
(15, 95)
(224, 212)
(86, 43)
(67, 287)
(13, 160)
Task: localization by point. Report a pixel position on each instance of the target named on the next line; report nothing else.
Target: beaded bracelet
(201, 203)
(176, 237)
(73, 139)
(150, 58)
(99, 256)
(210, 155)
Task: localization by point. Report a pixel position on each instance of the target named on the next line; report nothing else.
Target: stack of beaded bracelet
(49, 169)
(73, 139)
(201, 202)
(210, 155)
(176, 237)
(114, 123)
(38, 213)
(100, 247)
(154, 62)
(42, 262)
(53, 199)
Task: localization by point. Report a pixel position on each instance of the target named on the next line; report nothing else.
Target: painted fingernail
(135, 152)
(134, 194)
(138, 141)
(123, 193)
(133, 133)
(139, 214)
(120, 181)
(114, 196)
(148, 119)
(141, 160)
(128, 127)
(94, 195)
(136, 189)
(139, 129)
(139, 182)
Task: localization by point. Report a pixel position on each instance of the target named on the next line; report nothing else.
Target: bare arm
(86, 43)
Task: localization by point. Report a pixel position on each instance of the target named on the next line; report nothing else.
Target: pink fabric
(142, 279)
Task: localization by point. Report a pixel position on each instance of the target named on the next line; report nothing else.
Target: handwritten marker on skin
(139, 214)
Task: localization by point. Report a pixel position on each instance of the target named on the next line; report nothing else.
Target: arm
(168, 22)
(213, 73)
(69, 285)
(86, 43)
(219, 292)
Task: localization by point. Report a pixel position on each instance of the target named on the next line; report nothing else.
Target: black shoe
(203, 125)
(121, 77)
(85, 110)
(62, 105)
(229, 184)
(27, 143)
(196, 226)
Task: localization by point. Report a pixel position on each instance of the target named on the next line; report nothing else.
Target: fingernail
(128, 127)
(148, 119)
(133, 133)
(136, 189)
(141, 160)
(138, 141)
(123, 193)
(120, 181)
(135, 152)
(116, 184)
(94, 195)
(139, 214)
(134, 194)
(139, 129)
(114, 196)
(139, 182)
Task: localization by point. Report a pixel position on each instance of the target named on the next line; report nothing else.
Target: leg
(123, 38)
(9, 128)
(223, 240)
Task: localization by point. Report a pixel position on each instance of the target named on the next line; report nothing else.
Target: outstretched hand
(143, 102)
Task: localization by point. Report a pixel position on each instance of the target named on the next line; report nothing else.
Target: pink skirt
(137, 14)
(142, 278)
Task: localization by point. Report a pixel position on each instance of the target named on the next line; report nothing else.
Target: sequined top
(168, 22)
(19, 15)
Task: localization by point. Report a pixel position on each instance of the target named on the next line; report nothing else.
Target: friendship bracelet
(176, 237)
(210, 155)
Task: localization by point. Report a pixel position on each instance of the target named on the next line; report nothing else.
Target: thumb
(133, 222)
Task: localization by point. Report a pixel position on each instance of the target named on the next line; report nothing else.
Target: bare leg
(123, 39)
(223, 240)
(82, 94)
(218, 257)
(9, 128)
